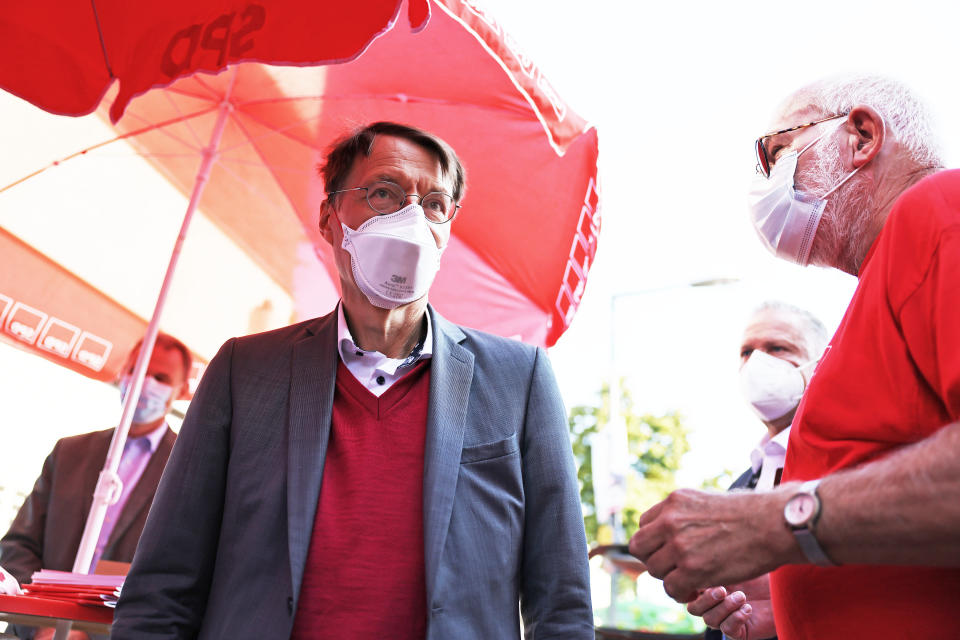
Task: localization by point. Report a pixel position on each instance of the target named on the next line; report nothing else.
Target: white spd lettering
(92, 360)
(56, 344)
(22, 331)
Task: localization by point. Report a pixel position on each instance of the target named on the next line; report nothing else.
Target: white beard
(842, 238)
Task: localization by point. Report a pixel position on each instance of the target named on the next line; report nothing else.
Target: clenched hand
(694, 540)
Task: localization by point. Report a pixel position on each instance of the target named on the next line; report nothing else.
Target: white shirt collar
(369, 364)
(775, 447)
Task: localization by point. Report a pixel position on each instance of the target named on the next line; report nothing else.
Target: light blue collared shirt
(133, 462)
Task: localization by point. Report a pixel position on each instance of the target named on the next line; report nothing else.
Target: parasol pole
(109, 485)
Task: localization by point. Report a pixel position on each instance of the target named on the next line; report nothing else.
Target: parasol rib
(103, 45)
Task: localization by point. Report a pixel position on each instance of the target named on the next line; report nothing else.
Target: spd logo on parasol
(226, 35)
(24, 322)
(50, 334)
(58, 337)
(91, 351)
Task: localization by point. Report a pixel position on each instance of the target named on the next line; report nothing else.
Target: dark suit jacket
(47, 530)
(226, 542)
(747, 480)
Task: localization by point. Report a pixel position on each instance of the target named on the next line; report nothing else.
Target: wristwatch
(800, 515)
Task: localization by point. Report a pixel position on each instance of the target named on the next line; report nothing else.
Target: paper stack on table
(76, 588)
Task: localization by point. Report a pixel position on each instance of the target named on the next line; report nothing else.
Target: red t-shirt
(890, 377)
(364, 575)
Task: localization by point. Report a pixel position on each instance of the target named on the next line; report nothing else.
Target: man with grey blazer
(375, 473)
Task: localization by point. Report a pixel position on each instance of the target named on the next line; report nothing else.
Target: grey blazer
(223, 552)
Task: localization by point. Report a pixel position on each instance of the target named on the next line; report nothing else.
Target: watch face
(800, 509)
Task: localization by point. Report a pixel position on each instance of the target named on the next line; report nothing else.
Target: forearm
(902, 509)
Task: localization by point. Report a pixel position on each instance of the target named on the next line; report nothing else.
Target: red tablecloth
(56, 609)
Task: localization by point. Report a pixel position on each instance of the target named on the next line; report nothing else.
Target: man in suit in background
(378, 472)
(47, 529)
(780, 347)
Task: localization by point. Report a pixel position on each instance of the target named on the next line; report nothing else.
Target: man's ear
(184, 391)
(867, 134)
(326, 219)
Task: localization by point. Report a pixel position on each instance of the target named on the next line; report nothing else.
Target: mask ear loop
(820, 137)
(841, 183)
(807, 379)
(817, 139)
(854, 172)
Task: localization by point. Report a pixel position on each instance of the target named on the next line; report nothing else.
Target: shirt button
(290, 605)
(381, 380)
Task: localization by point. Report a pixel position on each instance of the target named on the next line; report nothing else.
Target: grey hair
(905, 115)
(814, 333)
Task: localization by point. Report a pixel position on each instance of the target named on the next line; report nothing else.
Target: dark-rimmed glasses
(763, 160)
(387, 197)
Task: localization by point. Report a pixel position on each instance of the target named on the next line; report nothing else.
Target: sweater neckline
(382, 405)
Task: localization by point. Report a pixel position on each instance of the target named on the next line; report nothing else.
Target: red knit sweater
(364, 576)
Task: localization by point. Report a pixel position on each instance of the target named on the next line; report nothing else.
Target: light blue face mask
(786, 219)
(152, 404)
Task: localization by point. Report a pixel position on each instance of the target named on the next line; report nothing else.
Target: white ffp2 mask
(771, 385)
(394, 257)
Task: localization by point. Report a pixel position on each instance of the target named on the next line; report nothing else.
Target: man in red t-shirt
(862, 534)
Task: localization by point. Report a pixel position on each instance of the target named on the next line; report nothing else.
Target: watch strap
(804, 535)
(811, 547)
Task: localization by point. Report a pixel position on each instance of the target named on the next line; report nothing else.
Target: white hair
(814, 333)
(905, 115)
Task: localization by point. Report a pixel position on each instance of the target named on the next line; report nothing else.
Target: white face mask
(771, 385)
(786, 220)
(394, 257)
(152, 404)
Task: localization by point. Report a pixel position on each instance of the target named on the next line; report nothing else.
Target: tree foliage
(656, 445)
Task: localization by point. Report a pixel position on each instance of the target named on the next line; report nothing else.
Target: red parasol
(521, 247)
(63, 56)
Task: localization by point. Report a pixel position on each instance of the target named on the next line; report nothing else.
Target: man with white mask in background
(781, 344)
(378, 472)
(861, 536)
(47, 529)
